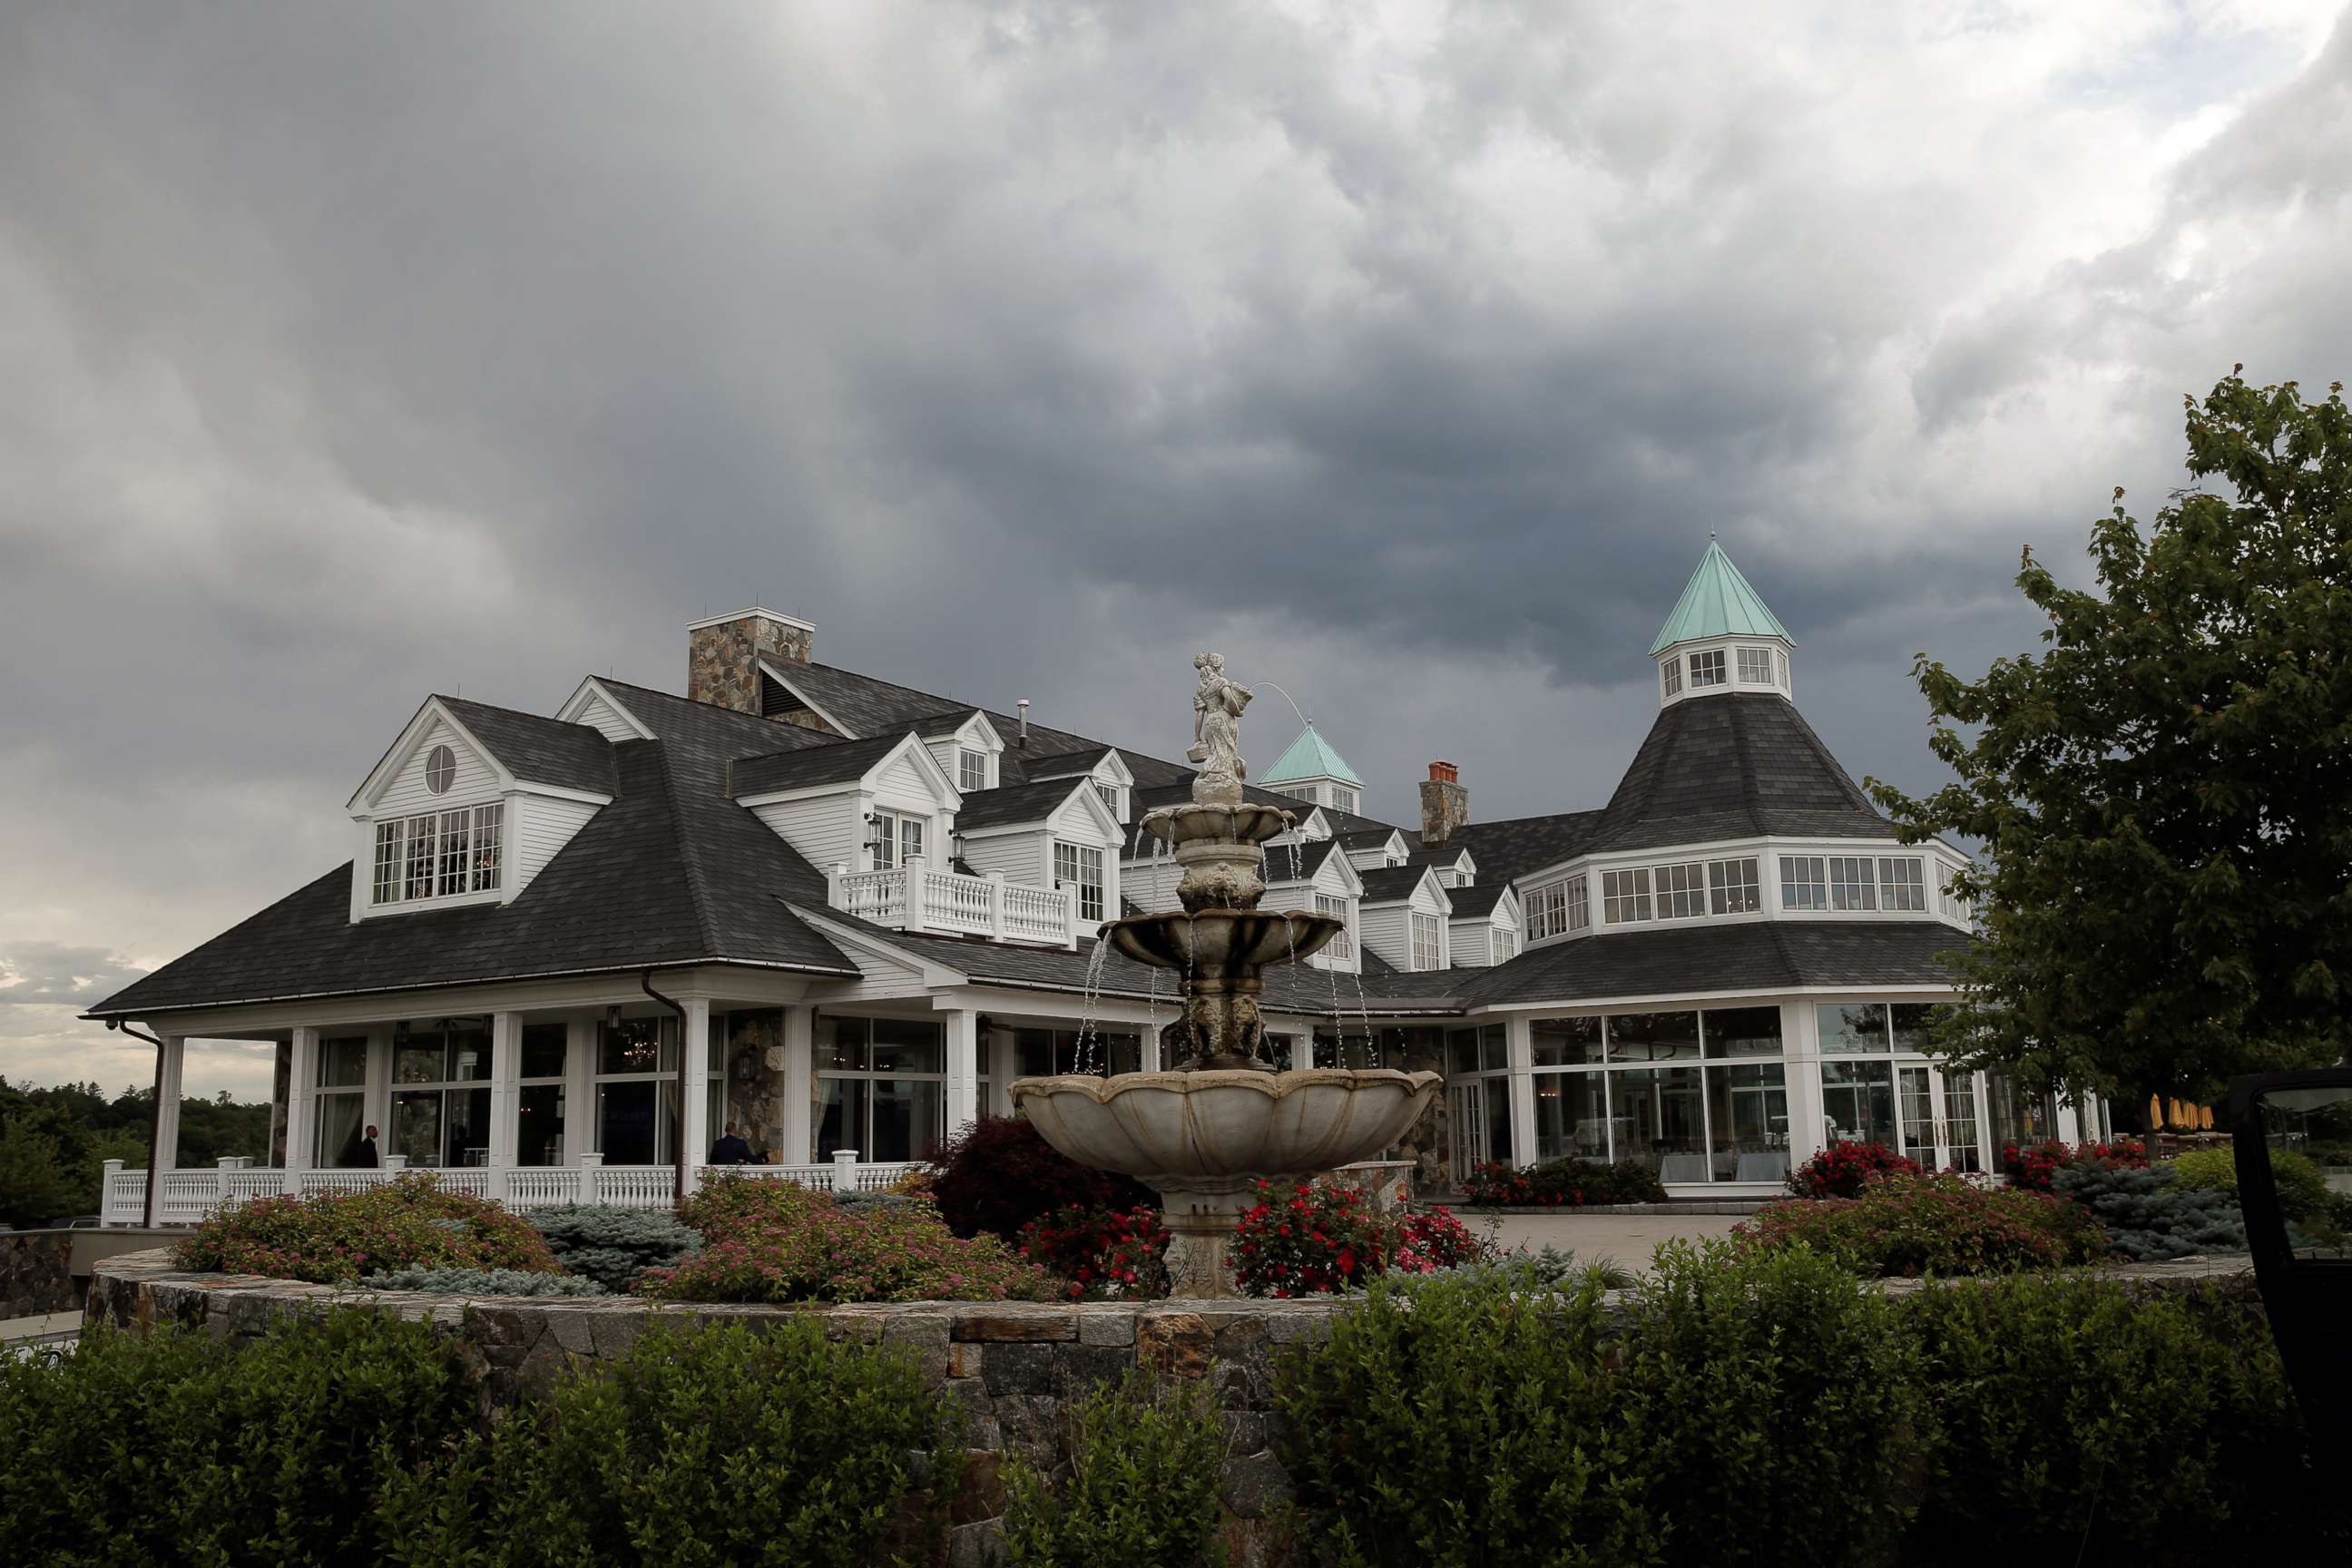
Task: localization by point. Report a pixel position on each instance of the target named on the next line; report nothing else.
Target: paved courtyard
(1628, 1238)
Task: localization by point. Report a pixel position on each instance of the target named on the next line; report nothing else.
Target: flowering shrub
(410, 1222)
(1841, 1170)
(999, 1173)
(798, 1246)
(2034, 1166)
(1903, 1225)
(1316, 1239)
(1561, 1183)
(1100, 1252)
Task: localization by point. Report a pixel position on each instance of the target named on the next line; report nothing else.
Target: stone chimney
(1444, 803)
(723, 653)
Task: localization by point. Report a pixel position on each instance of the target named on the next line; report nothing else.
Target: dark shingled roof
(1066, 764)
(1512, 849)
(1311, 856)
(1015, 804)
(1365, 837)
(1388, 884)
(1751, 956)
(806, 767)
(1733, 766)
(538, 749)
(1479, 898)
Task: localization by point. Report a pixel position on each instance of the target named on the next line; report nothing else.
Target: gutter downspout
(154, 1124)
(677, 1113)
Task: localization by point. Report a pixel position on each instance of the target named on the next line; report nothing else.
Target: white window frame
(1072, 866)
(1344, 798)
(1853, 883)
(1673, 671)
(1503, 944)
(1680, 888)
(1756, 667)
(1107, 792)
(1625, 896)
(1547, 910)
(1708, 669)
(391, 860)
(1580, 902)
(1428, 942)
(1342, 946)
(435, 856)
(971, 769)
(1781, 660)
(1902, 884)
(898, 835)
(1734, 887)
(1805, 883)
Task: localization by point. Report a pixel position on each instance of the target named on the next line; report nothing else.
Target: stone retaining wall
(37, 1273)
(1008, 1364)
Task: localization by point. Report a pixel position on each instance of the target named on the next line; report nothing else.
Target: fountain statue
(1205, 1132)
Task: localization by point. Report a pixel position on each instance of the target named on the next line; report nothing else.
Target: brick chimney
(723, 653)
(1444, 803)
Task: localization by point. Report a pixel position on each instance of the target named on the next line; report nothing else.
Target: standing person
(730, 1149)
(364, 1154)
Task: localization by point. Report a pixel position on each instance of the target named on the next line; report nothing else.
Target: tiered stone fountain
(1203, 1135)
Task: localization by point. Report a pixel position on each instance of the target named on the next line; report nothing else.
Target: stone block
(1174, 1344)
(976, 1545)
(1016, 1324)
(1106, 1326)
(1032, 1422)
(1246, 1431)
(1085, 1366)
(979, 1489)
(1253, 1484)
(964, 1360)
(916, 1329)
(1021, 1368)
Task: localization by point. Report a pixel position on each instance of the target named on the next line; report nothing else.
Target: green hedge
(1138, 1490)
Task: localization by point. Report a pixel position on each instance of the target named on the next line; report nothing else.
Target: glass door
(1469, 1111)
(1938, 1115)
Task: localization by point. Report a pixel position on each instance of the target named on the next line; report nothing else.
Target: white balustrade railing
(918, 896)
(186, 1197)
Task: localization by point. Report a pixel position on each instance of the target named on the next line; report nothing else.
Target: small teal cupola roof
(1309, 769)
(1718, 603)
(1721, 637)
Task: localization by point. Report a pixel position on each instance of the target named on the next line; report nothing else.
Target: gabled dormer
(861, 805)
(1049, 833)
(595, 705)
(1454, 865)
(1101, 767)
(1405, 917)
(1371, 848)
(1311, 768)
(1721, 638)
(967, 748)
(1315, 875)
(468, 804)
(1483, 928)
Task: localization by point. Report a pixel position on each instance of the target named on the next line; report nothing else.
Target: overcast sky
(1407, 353)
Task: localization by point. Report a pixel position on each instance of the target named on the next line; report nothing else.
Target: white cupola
(1721, 638)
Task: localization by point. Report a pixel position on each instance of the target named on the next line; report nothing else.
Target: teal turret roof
(1716, 602)
(1309, 757)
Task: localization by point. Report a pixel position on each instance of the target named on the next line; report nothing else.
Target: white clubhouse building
(866, 908)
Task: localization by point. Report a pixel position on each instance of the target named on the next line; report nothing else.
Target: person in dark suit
(730, 1150)
(364, 1154)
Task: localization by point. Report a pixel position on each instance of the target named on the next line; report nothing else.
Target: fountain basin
(1205, 1140)
(1196, 821)
(1213, 944)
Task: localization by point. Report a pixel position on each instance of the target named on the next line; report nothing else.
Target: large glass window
(1900, 885)
(1644, 1037)
(1572, 1115)
(1478, 1095)
(881, 1087)
(441, 1091)
(1706, 669)
(1041, 1053)
(1858, 1100)
(1682, 890)
(338, 1109)
(542, 1099)
(637, 1091)
(1852, 882)
(1732, 887)
(896, 839)
(1625, 896)
(1851, 1028)
(1756, 667)
(1719, 1112)
(1342, 946)
(438, 855)
(1878, 1085)
(1080, 869)
(1428, 942)
(1804, 884)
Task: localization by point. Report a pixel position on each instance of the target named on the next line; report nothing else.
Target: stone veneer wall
(36, 1274)
(722, 661)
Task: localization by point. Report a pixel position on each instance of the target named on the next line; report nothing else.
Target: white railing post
(996, 906)
(915, 897)
(845, 1170)
(833, 880)
(107, 1183)
(590, 1161)
(396, 1163)
(1070, 914)
(498, 1185)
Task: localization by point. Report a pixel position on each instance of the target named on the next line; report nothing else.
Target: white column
(800, 1083)
(506, 1100)
(378, 1101)
(963, 1069)
(1004, 1066)
(911, 867)
(1800, 1046)
(693, 1116)
(1518, 1033)
(2070, 1120)
(301, 1074)
(580, 1088)
(167, 1103)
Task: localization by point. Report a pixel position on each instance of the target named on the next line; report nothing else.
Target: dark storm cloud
(347, 355)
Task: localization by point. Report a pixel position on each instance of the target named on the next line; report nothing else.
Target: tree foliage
(55, 1141)
(2164, 793)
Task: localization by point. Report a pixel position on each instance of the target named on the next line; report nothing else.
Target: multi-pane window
(1673, 669)
(1900, 886)
(1342, 946)
(971, 769)
(385, 888)
(1547, 909)
(438, 855)
(542, 1095)
(896, 839)
(1625, 896)
(1782, 660)
(1506, 947)
(489, 835)
(1109, 795)
(1078, 867)
(338, 1111)
(637, 1091)
(1852, 882)
(1343, 798)
(456, 837)
(1579, 903)
(1756, 667)
(1694, 1097)
(1428, 939)
(423, 842)
(1732, 888)
(881, 1087)
(1682, 890)
(1955, 907)
(1707, 668)
(441, 1091)
(1804, 882)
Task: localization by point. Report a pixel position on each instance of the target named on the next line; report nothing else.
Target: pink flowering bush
(1099, 1252)
(410, 1222)
(775, 1242)
(1842, 1170)
(2035, 1166)
(1903, 1225)
(1315, 1240)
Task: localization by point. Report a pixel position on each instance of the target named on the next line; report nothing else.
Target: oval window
(440, 770)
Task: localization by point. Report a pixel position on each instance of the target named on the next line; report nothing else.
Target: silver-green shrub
(2148, 1216)
(613, 1246)
(484, 1282)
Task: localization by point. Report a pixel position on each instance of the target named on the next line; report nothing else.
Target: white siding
(1473, 941)
(539, 826)
(1385, 929)
(1022, 857)
(477, 781)
(823, 829)
(1152, 885)
(602, 717)
(903, 786)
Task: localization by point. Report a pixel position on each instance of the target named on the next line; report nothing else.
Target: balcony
(919, 897)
